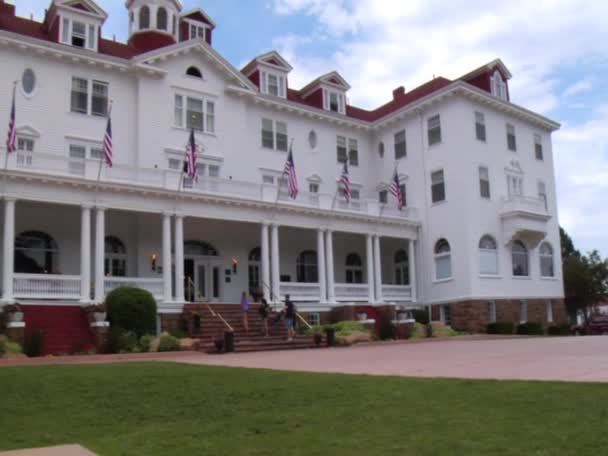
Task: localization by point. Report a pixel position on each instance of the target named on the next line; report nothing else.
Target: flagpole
(102, 159)
(276, 201)
(5, 170)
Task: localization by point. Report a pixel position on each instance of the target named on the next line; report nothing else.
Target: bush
(346, 328)
(500, 327)
(34, 343)
(132, 309)
(530, 328)
(179, 334)
(559, 330)
(440, 329)
(144, 343)
(121, 341)
(419, 331)
(168, 343)
(3, 345)
(421, 316)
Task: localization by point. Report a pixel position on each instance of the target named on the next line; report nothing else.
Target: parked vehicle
(598, 324)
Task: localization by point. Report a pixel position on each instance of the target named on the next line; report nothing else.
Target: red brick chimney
(398, 92)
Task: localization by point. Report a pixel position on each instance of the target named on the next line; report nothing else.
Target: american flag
(191, 168)
(345, 182)
(396, 191)
(292, 179)
(108, 146)
(11, 140)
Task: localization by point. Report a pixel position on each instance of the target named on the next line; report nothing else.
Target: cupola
(153, 23)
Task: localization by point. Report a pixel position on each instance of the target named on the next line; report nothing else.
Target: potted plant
(196, 321)
(318, 338)
(99, 313)
(14, 313)
(330, 333)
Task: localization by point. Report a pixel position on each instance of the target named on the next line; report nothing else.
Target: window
(546, 260)
(115, 263)
(400, 145)
(254, 271)
(266, 179)
(25, 144)
(523, 311)
(312, 139)
(443, 260)
(538, 147)
(197, 114)
(519, 259)
(28, 81)
(65, 30)
(511, 142)
(437, 186)
(514, 185)
(97, 153)
(549, 311)
(199, 248)
(354, 268)
(306, 267)
(499, 86)
(488, 256)
(402, 268)
(542, 193)
(36, 253)
(25, 147)
(381, 149)
(484, 182)
(333, 101)
(274, 133)
(79, 100)
(403, 195)
(77, 159)
(353, 152)
(273, 84)
(78, 34)
(341, 149)
(161, 19)
(445, 314)
(434, 130)
(214, 171)
(383, 196)
(354, 194)
(197, 31)
(313, 187)
(144, 18)
(176, 164)
(480, 126)
(193, 71)
(314, 318)
(491, 311)
(80, 96)
(99, 104)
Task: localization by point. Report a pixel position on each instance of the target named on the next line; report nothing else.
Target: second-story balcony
(172, 180)
(524, 218)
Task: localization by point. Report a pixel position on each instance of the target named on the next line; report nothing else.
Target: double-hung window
(87, 93)
(383, 196)
(341, 149)
(511, 141)
(99, 99)
(347, 149)
(353, 152)
(333, 101)
(273, 84)
(78, 155)
(274, 135)
(80, 95)
(78, 34)
(197, 31)
(434, 130)
(542, 193)
(484, 182)
(437, 186)
(538, 147)
(400, 145)
(25, 149)
(480, 126)
(194, 113)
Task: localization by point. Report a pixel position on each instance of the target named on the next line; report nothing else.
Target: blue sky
(555, 50)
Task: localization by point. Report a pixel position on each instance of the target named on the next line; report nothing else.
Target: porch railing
(352, 291)
(299, 291)
(397, 292)
(154, 286)
(46, 286)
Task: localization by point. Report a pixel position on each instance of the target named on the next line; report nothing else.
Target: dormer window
(333, 101)
(499, 86)
(78, 34)
(273, 84)
(197, 31)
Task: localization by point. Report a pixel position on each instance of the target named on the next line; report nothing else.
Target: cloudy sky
(556, 51)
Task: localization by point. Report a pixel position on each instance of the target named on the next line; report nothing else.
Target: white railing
(46, 286)
(519, 203)
(397, 292)
(352, 291)
(298, 291)
(154, 286)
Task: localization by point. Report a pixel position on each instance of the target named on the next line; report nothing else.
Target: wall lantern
(235, 263)
(153, 259)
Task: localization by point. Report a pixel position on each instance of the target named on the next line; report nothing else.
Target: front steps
(213, 328)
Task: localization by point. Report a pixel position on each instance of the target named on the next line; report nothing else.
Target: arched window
(519, 258)
(199, 248)
(144, 17)
(193, 71)
(546, 260)
(161, 19)
(306, 267)
(255, 283)
(402, 268)
(488, 256)
(443, 260)
(36, 253)
(115, 264)
(354, 268)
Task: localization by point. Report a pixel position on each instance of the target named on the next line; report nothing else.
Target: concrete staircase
(213, 328)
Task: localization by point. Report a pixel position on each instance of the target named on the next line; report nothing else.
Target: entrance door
(203, 280)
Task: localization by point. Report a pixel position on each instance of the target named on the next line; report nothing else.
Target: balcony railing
(154, 286)
(352, 292)
(298, 291)
(46, 286)
(398, 293)
(169, 179)
(524, 204)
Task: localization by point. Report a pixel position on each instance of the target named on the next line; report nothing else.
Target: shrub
(419, 331)
(132, 309)
(121, 341)
(530, 328)
(346, 328)
(421, 316)
(3, 345)
(500, 327)
(179, 334)
(144, 343)
(440, 329)
(559, 330)
(168, 343)
(34, 343)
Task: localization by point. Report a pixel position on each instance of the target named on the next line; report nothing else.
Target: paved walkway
(66, 450)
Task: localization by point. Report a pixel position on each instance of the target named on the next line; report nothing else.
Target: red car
(598, 324)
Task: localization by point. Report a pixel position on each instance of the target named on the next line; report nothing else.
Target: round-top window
(312, 139)
(28, 81)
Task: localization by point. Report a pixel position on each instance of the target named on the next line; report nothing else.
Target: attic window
(193, 71)
(273, 84)
(78, 34)
(499, 86)
(333, 101)
(197, 31)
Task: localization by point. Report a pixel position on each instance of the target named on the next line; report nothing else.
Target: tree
(568, 249)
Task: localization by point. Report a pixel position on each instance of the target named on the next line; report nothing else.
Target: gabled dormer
(327, 92)
(75, 23)
(196, 24)
(270, 73)
(492, 77)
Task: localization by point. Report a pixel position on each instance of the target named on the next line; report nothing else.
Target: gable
(199, 16)
(86, 6)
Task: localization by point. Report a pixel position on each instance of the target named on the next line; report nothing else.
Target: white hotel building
(478, 238)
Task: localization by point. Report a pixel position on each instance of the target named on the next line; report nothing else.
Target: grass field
(171, 409)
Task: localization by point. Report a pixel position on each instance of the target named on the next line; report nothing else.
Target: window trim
(275, 134)
(281, 83)
(494, 251)
(546, 256)
(510, 126)
(400, 148)
(480, 126)
(429, 129)
(538, 147)
(442, 255)
(205, 100)
(341, 99)
(66, 35)
(433, 202)
(482, 180)
(89, 108)
(527, 253)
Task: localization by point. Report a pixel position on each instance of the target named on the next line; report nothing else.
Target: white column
(276, 275)
(265, 262)
(85, 254)
(412, 266)
(329, 245)
(100, 241)
(167, 257)
(8, 257)
(369, 251)
(179, 259)
(321, 265)
(378, 269)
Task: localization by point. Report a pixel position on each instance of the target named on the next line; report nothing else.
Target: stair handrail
(269, 288)
(303, 320)
(190, 286)
(218, 315)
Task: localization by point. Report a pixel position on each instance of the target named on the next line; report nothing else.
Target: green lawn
(171, 409)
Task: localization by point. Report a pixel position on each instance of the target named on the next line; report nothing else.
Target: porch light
(153, 259)
(235, 263)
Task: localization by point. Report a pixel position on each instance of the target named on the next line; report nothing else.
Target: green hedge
(559, 330)
(530, 328)
(421, 316)
(168, 343)
(500, 327)
(132, 309)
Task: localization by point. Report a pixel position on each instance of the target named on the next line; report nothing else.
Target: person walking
(245, 307)
(290, 318)
(264, 311)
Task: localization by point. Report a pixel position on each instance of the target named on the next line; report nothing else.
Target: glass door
(200, 282)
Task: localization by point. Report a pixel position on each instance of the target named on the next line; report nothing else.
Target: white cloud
(584, 85)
